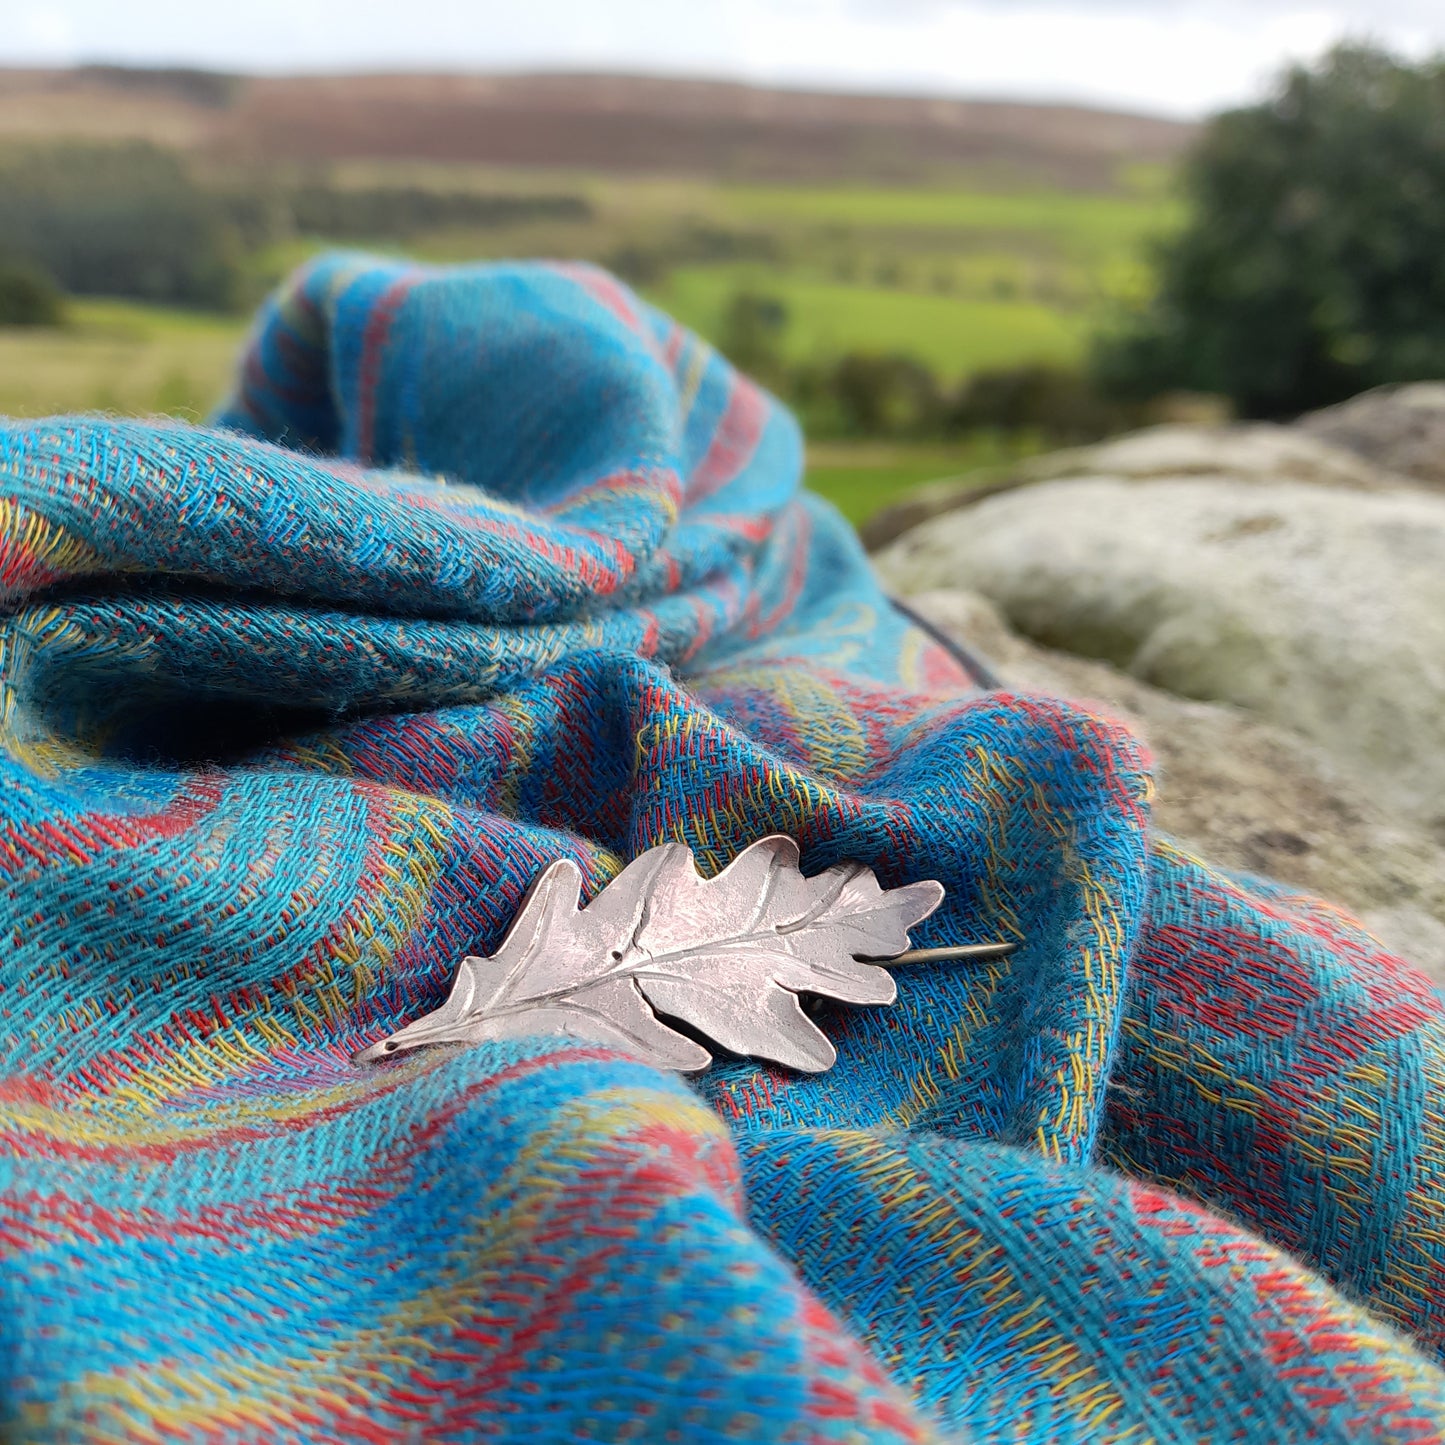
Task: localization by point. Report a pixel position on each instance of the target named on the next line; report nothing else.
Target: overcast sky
(1181, 57)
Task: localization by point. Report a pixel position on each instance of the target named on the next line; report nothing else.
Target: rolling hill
(624, 124)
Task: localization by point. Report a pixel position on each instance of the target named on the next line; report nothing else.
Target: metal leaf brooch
(727, 958)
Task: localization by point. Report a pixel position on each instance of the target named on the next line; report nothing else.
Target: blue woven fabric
(490, 566)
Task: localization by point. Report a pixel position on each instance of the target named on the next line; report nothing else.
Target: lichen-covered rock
(1317, 608)
(1398, 428)
(1245, 794)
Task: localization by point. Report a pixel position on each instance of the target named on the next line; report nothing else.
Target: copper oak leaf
(728, 956)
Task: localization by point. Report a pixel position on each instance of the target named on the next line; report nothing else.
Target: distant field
(116, 356)
(618, 123)
(1077, 222)
(959, 279)
(954, 335)
(965, 235)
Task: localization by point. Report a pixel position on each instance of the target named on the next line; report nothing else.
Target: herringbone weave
(496, 565)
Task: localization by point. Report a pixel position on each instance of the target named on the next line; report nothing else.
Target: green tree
(892, 395)
(28, 297)
(1314, 263)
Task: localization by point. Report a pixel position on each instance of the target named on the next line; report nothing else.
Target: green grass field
(117, 356)
(954, 335)
(1080, 224)
(859, 478)
(961, 279)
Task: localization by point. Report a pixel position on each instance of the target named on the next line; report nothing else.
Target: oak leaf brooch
(729, 958)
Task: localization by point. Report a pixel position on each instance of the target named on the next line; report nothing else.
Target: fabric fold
(487, 566)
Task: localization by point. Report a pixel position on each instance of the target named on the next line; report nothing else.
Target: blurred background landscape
(1117, 326)
(937, 286)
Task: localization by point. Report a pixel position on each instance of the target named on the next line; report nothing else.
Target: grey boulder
(1319, 608)
(1245, 794)
(1400, 429)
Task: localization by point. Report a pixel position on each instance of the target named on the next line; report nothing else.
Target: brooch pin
(726, 957)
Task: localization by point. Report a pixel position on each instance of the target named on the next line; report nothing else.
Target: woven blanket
(482, 568)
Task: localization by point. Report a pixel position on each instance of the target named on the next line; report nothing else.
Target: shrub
(1058, 403)
(637, 265)
(892, 395)
(28, 297)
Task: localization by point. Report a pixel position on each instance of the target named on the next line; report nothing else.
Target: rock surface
(1258, 452)
(1246, 794)
(1248, 453)
(1319, 608)
(1265, 604)
(1398, 428)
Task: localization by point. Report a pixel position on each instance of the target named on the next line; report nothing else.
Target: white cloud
(47, 29)
(1178, 56)
(1361, 13)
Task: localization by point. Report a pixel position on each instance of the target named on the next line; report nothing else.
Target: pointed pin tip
(945, 955)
